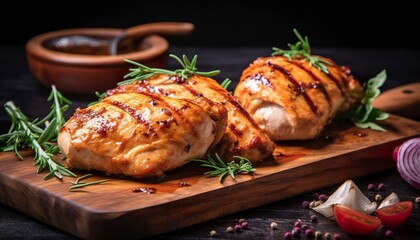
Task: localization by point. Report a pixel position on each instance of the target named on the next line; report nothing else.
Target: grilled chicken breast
(292, 100)
(242, 136)
(140, 134)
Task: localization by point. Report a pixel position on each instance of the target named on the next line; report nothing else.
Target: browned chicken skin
(242, 137)
(292, 100)
(140, 134)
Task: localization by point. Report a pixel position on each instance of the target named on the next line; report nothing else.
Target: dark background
(227, 23)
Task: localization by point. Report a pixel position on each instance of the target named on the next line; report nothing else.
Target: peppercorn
(237, 227)
(389, 234)
(273, 225)
(229, 229)
(378, 197)
(323, 197)
(336, 236)
(296, 232)
(305, 204)
(241, 220)
(244, 225)
(417, 200)
(381, 187)
(298, 224)
(318, 234)
(371, 187)
(288, 235)
(328, 236)
(314, 218)
(309, 233)
(213, 233)
(315, 196)
(304, 227)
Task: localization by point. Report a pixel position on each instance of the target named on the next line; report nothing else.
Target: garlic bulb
(347, 194)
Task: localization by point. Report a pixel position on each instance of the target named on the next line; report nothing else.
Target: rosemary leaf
(78, 184)
(222, 169)
(143, 72)
(302, 49)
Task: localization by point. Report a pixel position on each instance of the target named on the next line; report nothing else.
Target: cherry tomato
(355, 222)
(396, 214)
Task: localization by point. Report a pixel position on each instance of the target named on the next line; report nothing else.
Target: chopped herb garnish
(222, 169)
(302, 49)
(365, 114)
(143, 72)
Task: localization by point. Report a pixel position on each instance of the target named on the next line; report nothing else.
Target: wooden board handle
(403, 101)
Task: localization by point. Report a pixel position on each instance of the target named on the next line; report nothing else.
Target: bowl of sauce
(81, 61)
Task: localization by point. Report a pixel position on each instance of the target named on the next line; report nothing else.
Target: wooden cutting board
(113, 210)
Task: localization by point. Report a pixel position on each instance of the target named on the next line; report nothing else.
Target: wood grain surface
(113, 210)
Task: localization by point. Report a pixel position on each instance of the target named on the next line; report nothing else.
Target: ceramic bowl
(83, 72)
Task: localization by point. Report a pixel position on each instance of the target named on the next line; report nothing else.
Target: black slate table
(403, 66)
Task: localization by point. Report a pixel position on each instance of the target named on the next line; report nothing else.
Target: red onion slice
(408, 162)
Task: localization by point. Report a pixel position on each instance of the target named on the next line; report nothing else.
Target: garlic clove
(347, 194)
(389, 200)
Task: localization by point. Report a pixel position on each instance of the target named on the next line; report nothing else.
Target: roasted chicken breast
(292, 100)
(242, 136)
(140, 134)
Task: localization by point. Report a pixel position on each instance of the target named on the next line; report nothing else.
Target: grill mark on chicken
(236, 131)
(336, 81)
(84, 115)
(297, 86)
(136, 114)
(318, 82)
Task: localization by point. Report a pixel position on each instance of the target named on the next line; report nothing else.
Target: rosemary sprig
(225, 84)
(143, 72)
(302, 49)
(365, 114)
(77, 184)
(30, 134)
(222, 169)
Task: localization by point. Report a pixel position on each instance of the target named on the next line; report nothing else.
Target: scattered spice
(381, 187)
(273, 226)
(323, 197)
(315, 196)
(389, 234)
(371, 187)
(304, 227)
(213, 233)
(244, 225)
(417, 200)
(336, 236)
(378, 197)
(296, 232)
(145, 190)
(229, 229)
(318, 234)
(238, 227)
(309, 233)
(241, 220)
(314, 218)
(305, 204)
(298, 224)
(328, 236)
(288, 235)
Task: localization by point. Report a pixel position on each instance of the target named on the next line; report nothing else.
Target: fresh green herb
(100, 97)
(225, 84)
(143, 72)
(364, 115)
(302, 49)
(24, 133)
(222, 169)
(77, 184)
